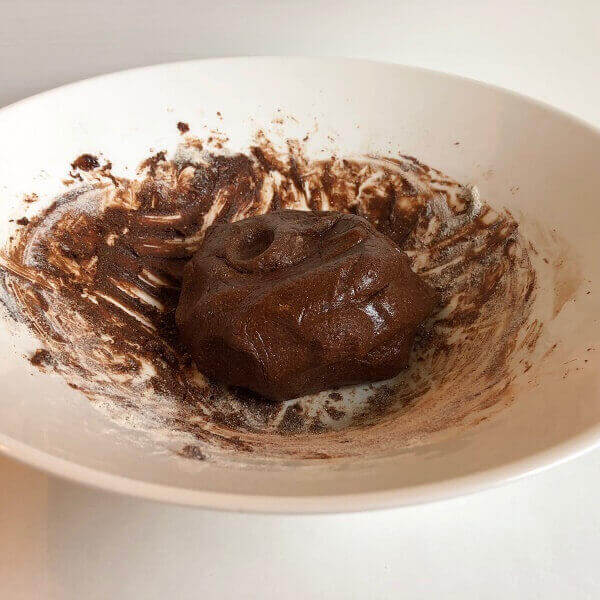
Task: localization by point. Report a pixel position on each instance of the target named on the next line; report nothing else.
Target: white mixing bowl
(538, 162)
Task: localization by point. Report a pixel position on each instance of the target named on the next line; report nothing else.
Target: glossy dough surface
(294, 302)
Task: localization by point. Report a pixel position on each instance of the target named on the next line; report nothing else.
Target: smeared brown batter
(295, 302)
(85, 162)
(97, 276)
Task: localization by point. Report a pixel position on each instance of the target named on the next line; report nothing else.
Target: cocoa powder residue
(96, 276)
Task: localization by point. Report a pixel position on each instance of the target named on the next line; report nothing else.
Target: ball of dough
(292, 302)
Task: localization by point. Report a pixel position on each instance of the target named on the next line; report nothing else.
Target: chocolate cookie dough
(294, 302)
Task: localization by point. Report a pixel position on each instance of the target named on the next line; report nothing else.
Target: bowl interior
(528, 158)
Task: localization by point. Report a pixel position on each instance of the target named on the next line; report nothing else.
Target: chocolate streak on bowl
(96, 277)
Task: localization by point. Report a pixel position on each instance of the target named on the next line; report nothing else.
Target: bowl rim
(444, 489)
(575, 446)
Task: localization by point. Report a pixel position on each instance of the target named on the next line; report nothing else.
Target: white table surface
(537, 538)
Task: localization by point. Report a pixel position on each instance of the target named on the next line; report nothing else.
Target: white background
(537, 538)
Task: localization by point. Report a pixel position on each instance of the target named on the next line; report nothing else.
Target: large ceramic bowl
(537, 162)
